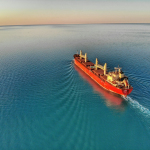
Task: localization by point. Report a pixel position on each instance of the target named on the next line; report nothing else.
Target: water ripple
(138, 106)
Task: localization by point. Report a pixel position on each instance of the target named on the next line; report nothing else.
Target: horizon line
(70, 24)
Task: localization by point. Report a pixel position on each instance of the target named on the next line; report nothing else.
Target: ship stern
(127, 91)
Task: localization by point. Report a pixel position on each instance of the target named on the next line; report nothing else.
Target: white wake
(139, 107)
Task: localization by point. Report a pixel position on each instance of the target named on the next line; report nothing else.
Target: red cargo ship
(114, 81)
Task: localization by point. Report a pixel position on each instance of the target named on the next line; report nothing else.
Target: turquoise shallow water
(48, 103)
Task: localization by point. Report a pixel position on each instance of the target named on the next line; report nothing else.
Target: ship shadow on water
(111, 100)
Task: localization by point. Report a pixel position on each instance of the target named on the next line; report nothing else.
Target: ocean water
(46, 102)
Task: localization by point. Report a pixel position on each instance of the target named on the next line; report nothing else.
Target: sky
(28, 12)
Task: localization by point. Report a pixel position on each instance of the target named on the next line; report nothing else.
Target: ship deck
(99, 72)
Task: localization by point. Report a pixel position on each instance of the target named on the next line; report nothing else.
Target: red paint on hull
(110, 98)
(101, 82)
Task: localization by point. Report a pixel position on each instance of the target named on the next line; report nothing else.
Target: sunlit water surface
(46, 102)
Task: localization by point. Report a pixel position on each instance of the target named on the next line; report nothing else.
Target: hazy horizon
(35, 12)
(68, 24)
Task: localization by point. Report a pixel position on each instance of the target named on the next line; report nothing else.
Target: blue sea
(48, 103)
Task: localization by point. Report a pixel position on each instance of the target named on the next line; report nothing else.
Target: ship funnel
(80, 54)
(85, 57)
(96, 63)
(105, 68)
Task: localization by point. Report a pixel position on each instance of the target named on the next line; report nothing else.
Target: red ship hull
(101, 82)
